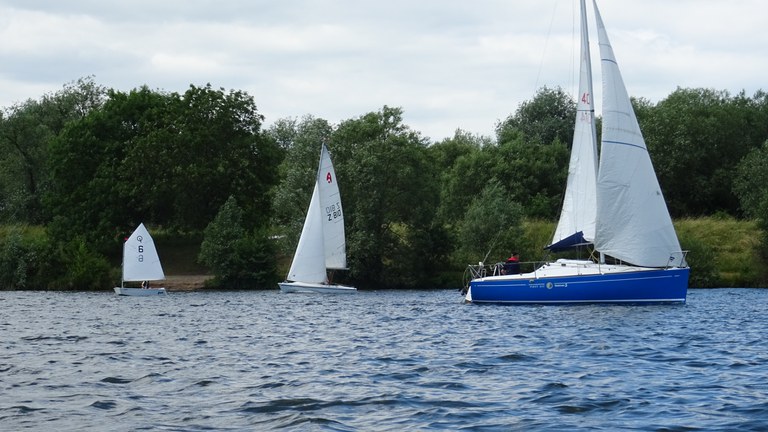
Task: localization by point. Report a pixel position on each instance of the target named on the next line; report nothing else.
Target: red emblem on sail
(328, 178)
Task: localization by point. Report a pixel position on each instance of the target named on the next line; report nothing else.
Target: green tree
(696, 138)
(238, 258)
(446, 152)
(82, 268)
(21, 258)
(751, 187)
(549, 117)
(23, 138)
(491, 227)
(462, 162)
(167, 159)
(29, 260)
(533, 151)
(387, 186)
(26, 131)
(297, 172)
(751, 182)
(534, 175)
(221, 151)
(97, 189)
(284, 131)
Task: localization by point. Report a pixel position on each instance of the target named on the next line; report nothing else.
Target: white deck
(566, 267)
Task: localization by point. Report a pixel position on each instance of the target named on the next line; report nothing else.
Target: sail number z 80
(333, 211)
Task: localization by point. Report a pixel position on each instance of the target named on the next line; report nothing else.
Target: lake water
(386, 360)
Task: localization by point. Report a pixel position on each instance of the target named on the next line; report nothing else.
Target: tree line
(81, 167)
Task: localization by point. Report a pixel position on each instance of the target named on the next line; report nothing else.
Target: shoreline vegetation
(225, 196)
(723, 252)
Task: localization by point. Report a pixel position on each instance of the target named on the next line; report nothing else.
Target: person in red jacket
(512, 266)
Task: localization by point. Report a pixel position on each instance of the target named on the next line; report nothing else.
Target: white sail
(140, 259)
(322, 244)
(579, 203)
(332, 214)
(633, 223)
(309, 260)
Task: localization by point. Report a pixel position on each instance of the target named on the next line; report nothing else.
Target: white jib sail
(633, 223)
(579, 202)
(333, 216)
(309, 260)
(140, 259)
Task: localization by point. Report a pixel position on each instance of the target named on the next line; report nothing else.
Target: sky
(449, 64)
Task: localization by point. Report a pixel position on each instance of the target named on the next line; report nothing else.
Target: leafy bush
(30, 260)
(84, 268)
(492, 226)
(253, 263)
(23, 251)
(238, 258)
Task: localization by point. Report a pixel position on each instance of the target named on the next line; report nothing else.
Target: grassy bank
(731, 247)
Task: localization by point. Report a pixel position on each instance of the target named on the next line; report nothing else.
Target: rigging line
(575, 57)
(493, 244)
(544, 51)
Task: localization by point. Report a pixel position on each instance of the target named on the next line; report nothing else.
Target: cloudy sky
(448, 63)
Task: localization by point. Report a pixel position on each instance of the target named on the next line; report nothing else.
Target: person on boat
(512, 265)
(145, 284)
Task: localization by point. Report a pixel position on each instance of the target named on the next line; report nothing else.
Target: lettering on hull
(548, 285)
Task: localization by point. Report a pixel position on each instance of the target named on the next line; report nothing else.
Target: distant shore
(184, 282)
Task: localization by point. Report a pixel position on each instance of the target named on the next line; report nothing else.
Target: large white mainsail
(579, 203)
(140, 259)
(333, 217)
(633, 223)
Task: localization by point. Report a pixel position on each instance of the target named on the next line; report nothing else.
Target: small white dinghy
(141, 264)
(322, 245)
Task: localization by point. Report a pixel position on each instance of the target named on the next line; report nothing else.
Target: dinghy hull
(306, 287)
(140, 292)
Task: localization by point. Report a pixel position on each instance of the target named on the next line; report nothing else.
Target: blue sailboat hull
(646, 286)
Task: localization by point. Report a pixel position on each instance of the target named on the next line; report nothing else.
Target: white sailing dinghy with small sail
(617, 207)
(140, 264)
(322, 245)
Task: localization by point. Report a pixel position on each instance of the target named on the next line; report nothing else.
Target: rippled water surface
(388, 360)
